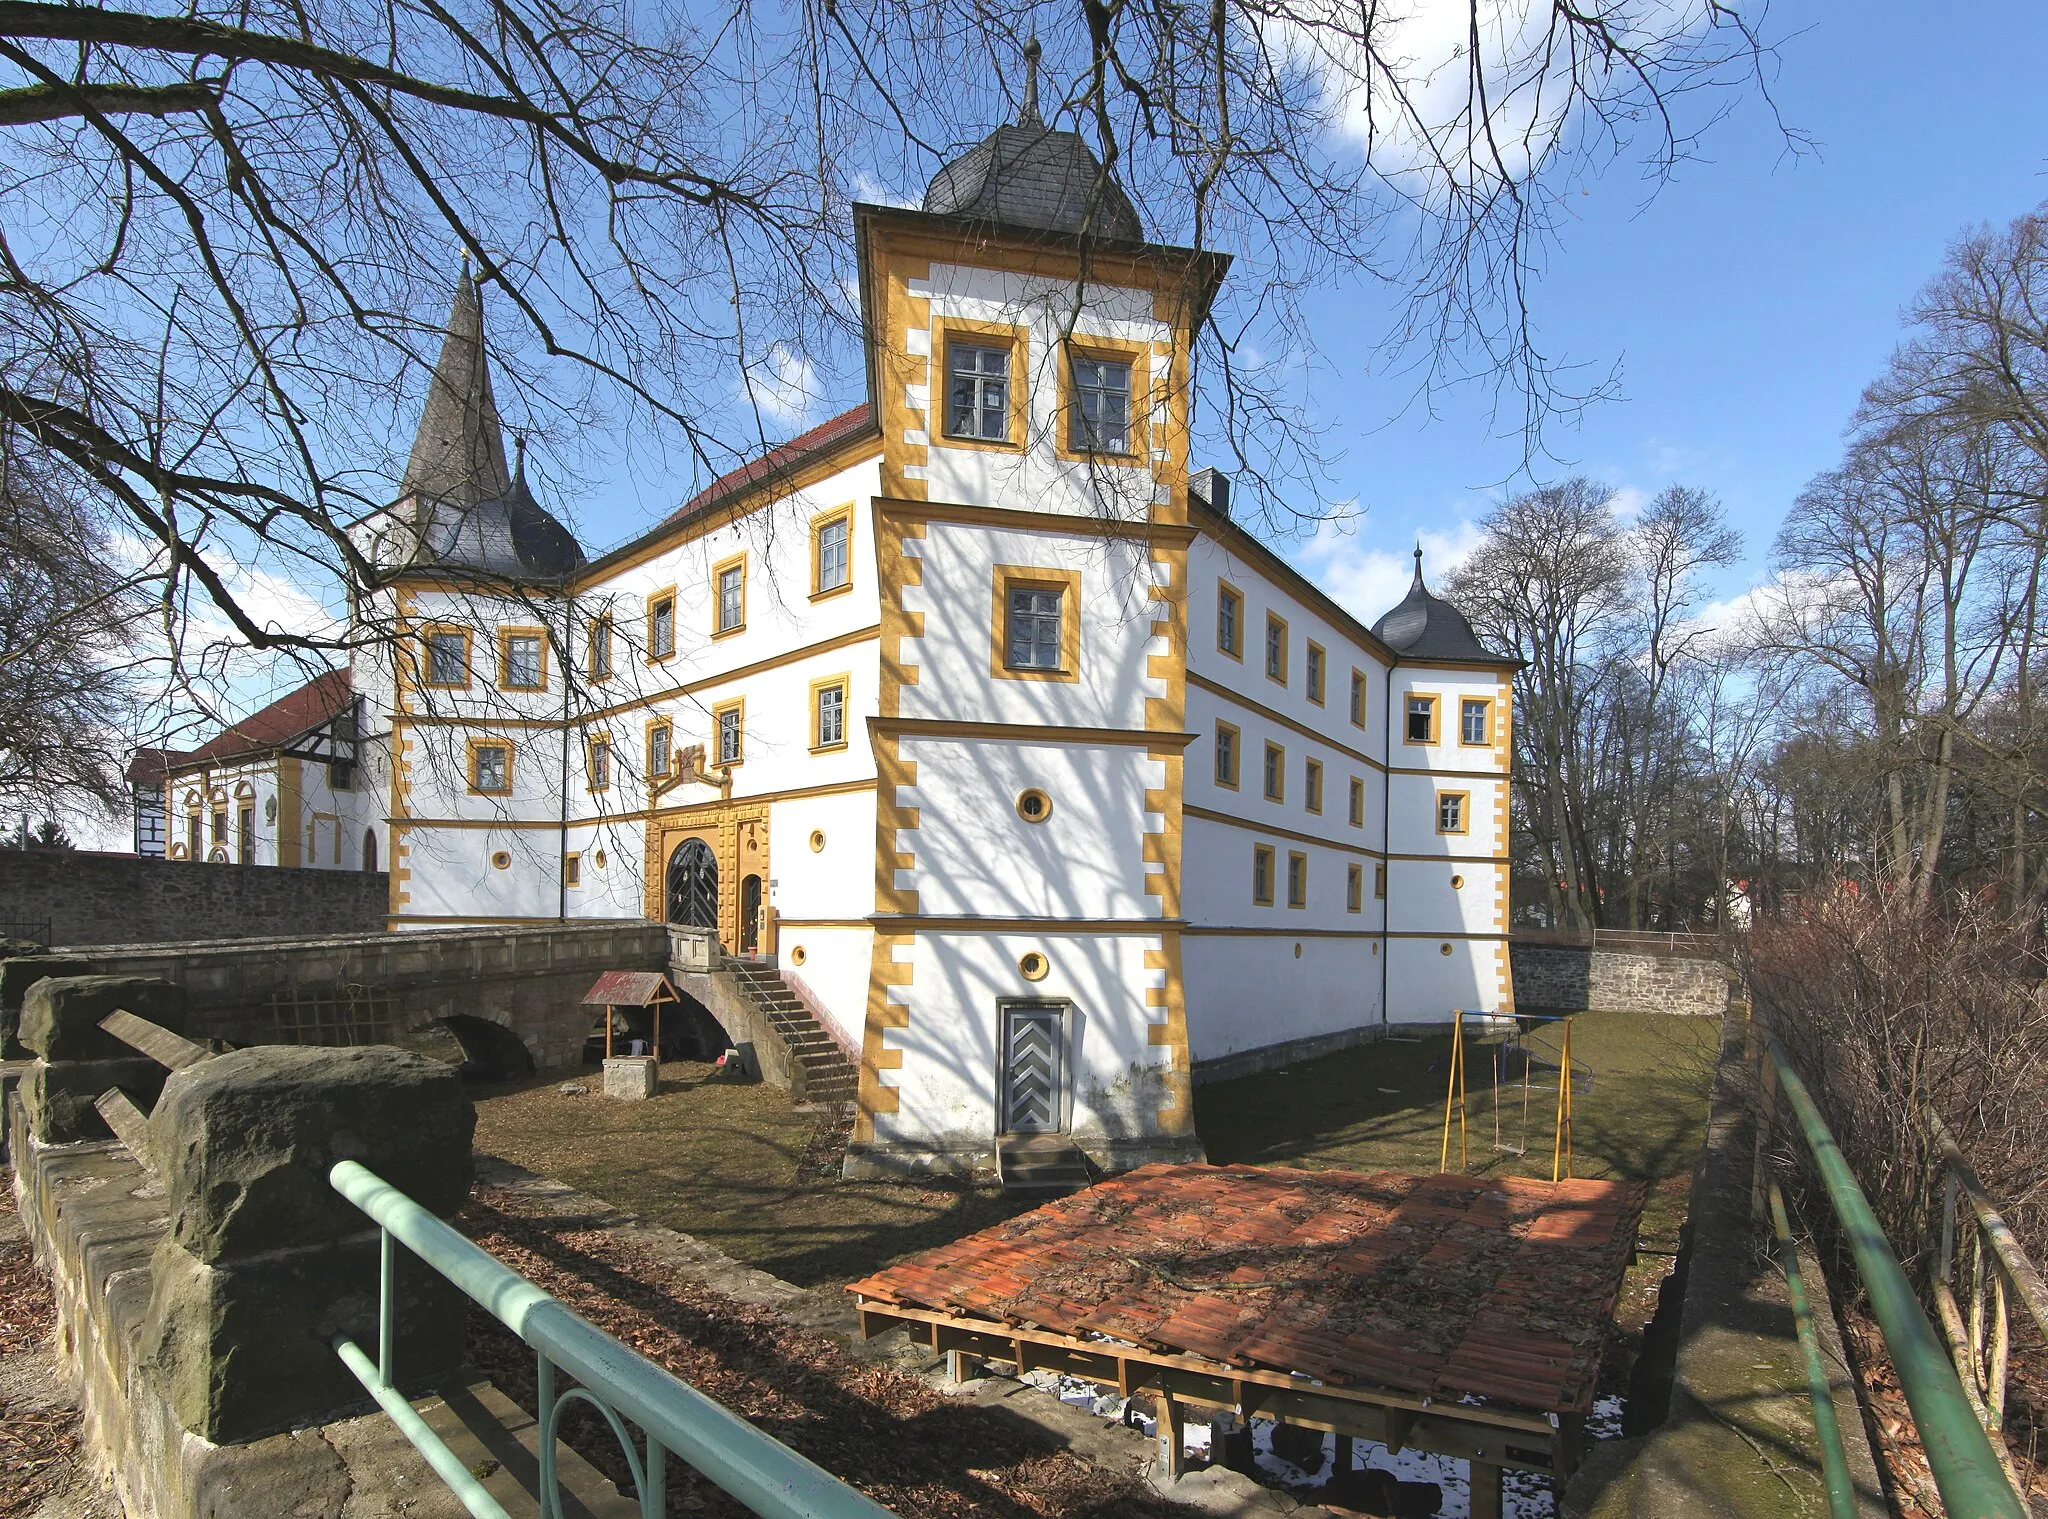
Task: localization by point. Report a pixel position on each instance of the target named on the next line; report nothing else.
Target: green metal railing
(1966, 1468)
(624, 1386)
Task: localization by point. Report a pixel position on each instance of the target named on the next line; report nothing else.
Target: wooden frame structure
(631, 988)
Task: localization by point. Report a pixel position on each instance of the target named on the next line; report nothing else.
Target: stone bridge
(373, 987)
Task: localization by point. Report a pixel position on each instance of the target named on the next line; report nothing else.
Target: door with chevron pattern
(1033, 1079)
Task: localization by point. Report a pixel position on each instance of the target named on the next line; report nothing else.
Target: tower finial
(1418, 563)
(1027, 114)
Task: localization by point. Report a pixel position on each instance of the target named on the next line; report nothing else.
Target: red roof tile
(279, 723)
(783, 457)
(1455, 1286)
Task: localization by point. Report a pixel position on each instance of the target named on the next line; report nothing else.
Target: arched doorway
(693, 885)
(750, 916)
(369, 849)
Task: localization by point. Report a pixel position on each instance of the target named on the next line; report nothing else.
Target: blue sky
(1750, 301)
(1746, 301)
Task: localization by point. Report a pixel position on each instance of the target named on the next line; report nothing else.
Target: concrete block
(244, 1347)
(57, 1099)
(60, 1016)
(17, 974)
(631, 1078)
(244, 1142)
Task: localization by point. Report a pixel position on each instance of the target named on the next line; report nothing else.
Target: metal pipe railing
(1967, 1471)
(1834, 1458)
(754, 1467)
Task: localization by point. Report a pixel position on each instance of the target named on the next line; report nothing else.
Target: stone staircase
(820, 1071)
(1042, 1163)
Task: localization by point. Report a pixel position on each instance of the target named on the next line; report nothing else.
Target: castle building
(973, 706)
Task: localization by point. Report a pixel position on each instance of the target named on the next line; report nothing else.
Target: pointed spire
(1418, 566)
(458, 455)
(1027, 114)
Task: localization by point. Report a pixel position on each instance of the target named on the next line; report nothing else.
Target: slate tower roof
(1030, 175)
(1428, 627)
(471, 512)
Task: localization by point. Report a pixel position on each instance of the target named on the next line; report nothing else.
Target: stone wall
(1579, 978)
(125, 899)
(529, 980)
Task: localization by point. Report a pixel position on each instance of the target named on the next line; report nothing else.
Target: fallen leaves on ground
(891, 1435)
(37, 1446)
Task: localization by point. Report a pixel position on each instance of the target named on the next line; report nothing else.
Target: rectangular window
(978, 392)
(1475, 721)
(572, 870)
(245, 836)
(1229, 621)
(1312, 672)
(519, 661)
(599, 763)
(1102, 406)
(1276, 773)
(1262, 875)
(661, 626)
(1358, 698)
(1354, 888)
(660, 743)
(192, 836)
(1422, 719)
(730, 579)
(490, 769)
(829, 729)
(601, 647)
(1226, 755)
(1379, 882)
(1297, 879)
(730, 738)
(220, 826)
(1032, 637)
(831, 558)
(1276, 648)
(341, 775)
(1356, 811)
(1312, 785)
(1450, 812)
(448, 660)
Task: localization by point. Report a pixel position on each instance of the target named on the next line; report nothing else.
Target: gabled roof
(781, 459)
(291, 716)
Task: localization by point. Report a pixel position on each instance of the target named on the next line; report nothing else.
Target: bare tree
(68, 673)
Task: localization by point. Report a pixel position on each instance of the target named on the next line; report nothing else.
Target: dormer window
(1102, 406)
(978, 392)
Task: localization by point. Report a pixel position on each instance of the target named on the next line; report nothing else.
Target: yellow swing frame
(1454, 1099)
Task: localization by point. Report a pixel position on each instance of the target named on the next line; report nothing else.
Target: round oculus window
(797, 955)
(1456, 882)
(1033, 966)
(1034, 806)
(817, 840)
(1445, 950)
(1297, 950)
(501, 860)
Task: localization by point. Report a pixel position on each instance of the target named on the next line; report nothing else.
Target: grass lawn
(734, 1165)
(1640, 1111)
(739, 1169)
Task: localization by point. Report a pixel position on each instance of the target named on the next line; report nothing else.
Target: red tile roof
(277, 724)
(778, 460)
(1449, 1286)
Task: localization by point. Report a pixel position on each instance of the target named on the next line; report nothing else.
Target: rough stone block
(244, 1348)
(631, 1077)
(17, 974)
(57, 1100)
(244, 1142)
(60, 1016)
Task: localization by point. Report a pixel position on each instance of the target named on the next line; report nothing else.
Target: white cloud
(873, 192)
(784, 385)
(1369, 581)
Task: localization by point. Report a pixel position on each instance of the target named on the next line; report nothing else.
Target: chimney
(1211, 487)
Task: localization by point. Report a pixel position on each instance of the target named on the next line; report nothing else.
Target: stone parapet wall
(529, 980)
(1580, 978)
(92, 899)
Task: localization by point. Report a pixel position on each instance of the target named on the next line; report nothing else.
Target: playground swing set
(1514, 1044)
